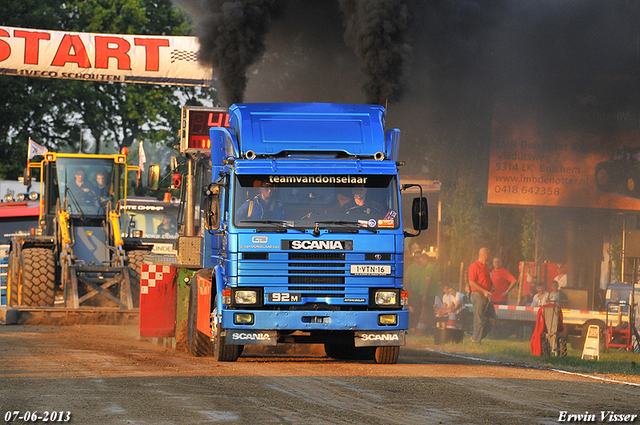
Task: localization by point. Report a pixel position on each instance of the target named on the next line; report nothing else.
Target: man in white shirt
(453, 299)
(542, 297)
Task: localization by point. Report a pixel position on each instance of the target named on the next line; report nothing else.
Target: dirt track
(106, 374)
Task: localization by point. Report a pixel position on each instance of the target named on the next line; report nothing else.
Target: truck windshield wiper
(351, 224)
(279, 223)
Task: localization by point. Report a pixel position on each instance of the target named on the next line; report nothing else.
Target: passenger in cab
(361, 204)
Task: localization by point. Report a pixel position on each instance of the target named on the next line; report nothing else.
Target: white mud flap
(377, 339)
(243, 337)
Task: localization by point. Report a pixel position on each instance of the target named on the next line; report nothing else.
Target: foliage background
(92, 117)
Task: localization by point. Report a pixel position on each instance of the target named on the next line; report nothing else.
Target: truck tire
(221, 351)
(335, 351)
(198, 344)
(38, 277)
(387, 355)
(349, 352)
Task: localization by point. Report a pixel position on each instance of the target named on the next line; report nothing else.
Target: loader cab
(82, 185)
(85, 186)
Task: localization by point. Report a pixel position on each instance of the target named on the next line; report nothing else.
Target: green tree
(462, 222)
(107, 116)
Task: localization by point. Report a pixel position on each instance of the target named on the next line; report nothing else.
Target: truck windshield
(86, 184)
(333, 201)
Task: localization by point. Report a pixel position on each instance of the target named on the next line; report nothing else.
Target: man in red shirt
(484, 315)
(503, 282)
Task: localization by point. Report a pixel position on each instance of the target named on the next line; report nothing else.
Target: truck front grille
(316, 256)
(316, 280)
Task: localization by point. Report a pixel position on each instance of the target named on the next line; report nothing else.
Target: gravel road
(108, 375)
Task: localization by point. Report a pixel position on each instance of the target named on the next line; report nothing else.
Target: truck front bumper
(267, 323)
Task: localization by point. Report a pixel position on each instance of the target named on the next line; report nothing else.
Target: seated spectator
(541, 297)
(452, 302)
(438, 306)
(528, 298)
(556, 296)
(456, 299)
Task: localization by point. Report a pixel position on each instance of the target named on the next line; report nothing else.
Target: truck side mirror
(420, 214)
(153, 177)
(211, 207)
(27, 176)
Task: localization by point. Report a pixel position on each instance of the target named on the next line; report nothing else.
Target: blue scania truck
(304, 239)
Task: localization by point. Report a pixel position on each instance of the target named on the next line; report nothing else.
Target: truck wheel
(335, 351)
(387, 355)
(38, 277)
(222, 351)
(349, 352)
(198, 343)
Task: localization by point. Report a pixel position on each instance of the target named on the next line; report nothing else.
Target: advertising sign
(587, 158)
(169, 60)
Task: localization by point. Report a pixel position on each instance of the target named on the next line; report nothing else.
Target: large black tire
(13, 278)
(221, 351)
(335, 351)
(349, 352)
(135, 260)
(38, 277)
(198, 344)
(387, 355)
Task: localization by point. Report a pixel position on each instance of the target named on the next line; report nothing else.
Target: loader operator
(81, 188)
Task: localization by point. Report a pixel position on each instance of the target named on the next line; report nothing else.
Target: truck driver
(263, 206)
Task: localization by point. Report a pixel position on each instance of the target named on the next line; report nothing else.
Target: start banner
(169, 60)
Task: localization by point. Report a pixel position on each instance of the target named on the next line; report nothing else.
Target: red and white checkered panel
(151, 274)
(158, 289)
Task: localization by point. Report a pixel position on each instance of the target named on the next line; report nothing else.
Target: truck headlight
(245, 297)
(386, 298)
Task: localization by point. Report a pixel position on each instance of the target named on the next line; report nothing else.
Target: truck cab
(306, 231)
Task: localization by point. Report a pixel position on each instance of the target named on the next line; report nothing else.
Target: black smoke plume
(231, 34)
(376, 29)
